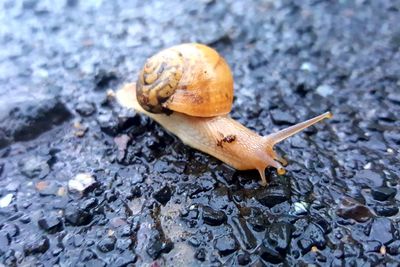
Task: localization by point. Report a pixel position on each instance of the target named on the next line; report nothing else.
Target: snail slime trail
(188, 89)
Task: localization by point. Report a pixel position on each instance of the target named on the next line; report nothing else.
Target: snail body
(218, 135)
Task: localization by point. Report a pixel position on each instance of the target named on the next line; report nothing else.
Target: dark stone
(108, 123)
(280, 117)
(40, 245)
(270, 255)
(77, 217)
(23, 119)
(85, 108)
(103, 78)
(258, 223)
(156, 246)
(394, 248)
(244, 259)
(386, 211)
(313, 235)
(106, 244)
(200, 254)
(163, 195)
(51, 224)
(34, 167)
(226, 245)
(383, 193)
(352, 209)
(273, 195)
(213, 217)
(276, 242)
(278, 236)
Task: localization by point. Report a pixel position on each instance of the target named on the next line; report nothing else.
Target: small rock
(77, 217)
(226, 245)
(82, 183)
(47, 188)
(213, 217)
(40, 245)
(383, 193)
(280, 117)
(313, 235)
(386, 211)
(381, 230)
(35, 167)
(244, 259)
(122, 143)
(273, 195)
(4, 242)
(156, 246)
(278, 235)
(325, 90)
(200, 254)
(51, 224)
(369, 178)
(103, 78)
(13, 186)
(394, 248)
(126, 259)
(25, 117)
(352, 209)
(108, 123)
(163, 195)
(6, 200)
(107, 244)
(85, 108)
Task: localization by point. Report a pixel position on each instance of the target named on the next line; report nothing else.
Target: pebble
(50, 224)
(6, 200)
(82, 183)
(386, 211)
(276, 242)
(47, 188)
(369, 178)
(200, 254)
(163, 195)
(5, 240)
(244, 259)
(280, 117)
(106, 244)
(156, 246)
(325, 90)
(381, 230)
(383, 193)
(226, 245)
(40, 245)
(351, 209)
(85, 108)
(77, 217)
(35, 167)
(313, 235)
(213, 217)
(273, 195)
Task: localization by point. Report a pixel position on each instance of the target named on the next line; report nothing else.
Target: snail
(188, 89)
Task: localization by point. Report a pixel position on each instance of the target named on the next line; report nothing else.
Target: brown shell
(189, 78)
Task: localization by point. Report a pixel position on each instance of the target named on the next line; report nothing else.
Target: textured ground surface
(148, 199)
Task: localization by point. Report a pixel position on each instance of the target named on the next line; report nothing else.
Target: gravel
(142, 197)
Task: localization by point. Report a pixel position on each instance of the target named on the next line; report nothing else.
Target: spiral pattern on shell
(159, 79)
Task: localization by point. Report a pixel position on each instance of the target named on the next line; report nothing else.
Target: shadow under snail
(188, 89)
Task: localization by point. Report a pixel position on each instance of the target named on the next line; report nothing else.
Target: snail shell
(189, 78)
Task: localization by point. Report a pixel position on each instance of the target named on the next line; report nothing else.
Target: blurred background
(84, 182)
